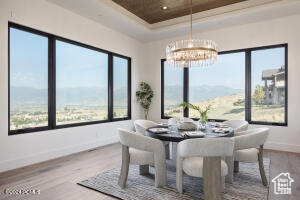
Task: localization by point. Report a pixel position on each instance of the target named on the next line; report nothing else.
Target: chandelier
(192, 52)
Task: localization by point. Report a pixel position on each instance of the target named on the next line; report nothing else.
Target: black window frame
(247, 52)
(52, 81)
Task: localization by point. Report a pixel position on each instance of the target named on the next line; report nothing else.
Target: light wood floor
(57, 178)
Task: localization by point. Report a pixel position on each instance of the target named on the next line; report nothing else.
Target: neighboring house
(283, 183)
(274, 85)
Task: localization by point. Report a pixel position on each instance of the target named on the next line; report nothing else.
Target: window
(81, 84)
(268, 85)
(28, 80)
(172, 88)
(244, 84)
(221, 85)
(120, 85)
(57, 83)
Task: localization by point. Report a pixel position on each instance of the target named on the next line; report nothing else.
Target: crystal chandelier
(192, 52)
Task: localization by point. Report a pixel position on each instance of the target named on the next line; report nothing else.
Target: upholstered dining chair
(175, 120)
(193, 153)
(141, 125)
(249, 148)
(237, 125)
(141, 150)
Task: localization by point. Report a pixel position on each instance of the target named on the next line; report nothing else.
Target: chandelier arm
(191, 19)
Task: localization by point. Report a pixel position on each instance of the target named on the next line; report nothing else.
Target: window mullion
(110, 87)
(51, 83)
(186, 89)
(248, 86)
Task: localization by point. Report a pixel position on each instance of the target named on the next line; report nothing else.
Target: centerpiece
(203, 117)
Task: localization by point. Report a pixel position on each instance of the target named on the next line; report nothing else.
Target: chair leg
(236, 167)
(223, 183)
(212, 186)
(229, 162)
(167, 149)
(261, 166)
(144, 169)
(125, 166)
(160, 167)
(179, 172)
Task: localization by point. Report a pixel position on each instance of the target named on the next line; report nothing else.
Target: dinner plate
(220, 130)
(194, 133)
(158, 130)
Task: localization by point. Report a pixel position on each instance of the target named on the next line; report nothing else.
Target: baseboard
(44, 156)
(282, 147)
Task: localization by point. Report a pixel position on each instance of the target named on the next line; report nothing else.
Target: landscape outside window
(43, 66)
(268, 85)
(221, 85)
(120, 84)
(173, 91)
(81, 84)
(28, 80)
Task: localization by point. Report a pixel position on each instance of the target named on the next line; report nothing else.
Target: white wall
(277, 31)
(20, 150)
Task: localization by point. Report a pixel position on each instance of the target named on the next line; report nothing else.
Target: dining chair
(249, 148)
(194, 157)
(175, 120)
(141, 126)
(141, 150)
(237, 125)
(233, 166)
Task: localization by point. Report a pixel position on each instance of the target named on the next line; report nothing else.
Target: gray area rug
(246, 185)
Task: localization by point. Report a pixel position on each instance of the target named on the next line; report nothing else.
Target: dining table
(212, 166)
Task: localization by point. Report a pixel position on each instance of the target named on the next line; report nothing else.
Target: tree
(144, 97)
(259, 94)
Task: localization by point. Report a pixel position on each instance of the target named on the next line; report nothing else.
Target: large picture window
(173, 90)
(28, 80)
(81, 84)
(56, 83)
(244, 84)
(221, 85)
(121, 103)
(268, 85)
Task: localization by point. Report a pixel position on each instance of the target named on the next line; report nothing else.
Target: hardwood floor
(56, 179)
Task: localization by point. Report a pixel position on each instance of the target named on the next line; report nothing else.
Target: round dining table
(176, 135)
(213, 164)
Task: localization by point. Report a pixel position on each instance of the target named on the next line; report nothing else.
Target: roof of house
(270, 73)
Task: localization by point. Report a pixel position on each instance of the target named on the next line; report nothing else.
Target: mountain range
(26, 96)
(199, 93)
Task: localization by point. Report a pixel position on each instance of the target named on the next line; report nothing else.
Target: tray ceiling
(151, 10)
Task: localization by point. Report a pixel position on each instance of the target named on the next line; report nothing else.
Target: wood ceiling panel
(151, 12)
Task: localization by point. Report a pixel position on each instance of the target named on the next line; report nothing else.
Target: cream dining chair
(175, 120)
(141, 126)
(249, 148)
(141, 150)
(237, 125)
(192, 153)
(233, 166)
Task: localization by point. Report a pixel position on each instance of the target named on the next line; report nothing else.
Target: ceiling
(114, 16)
(151, 10)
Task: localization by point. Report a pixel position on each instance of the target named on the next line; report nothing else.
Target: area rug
(246, 185)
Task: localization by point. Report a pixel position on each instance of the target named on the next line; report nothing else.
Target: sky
(80, 67)
(229, 70)
(75, 66)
